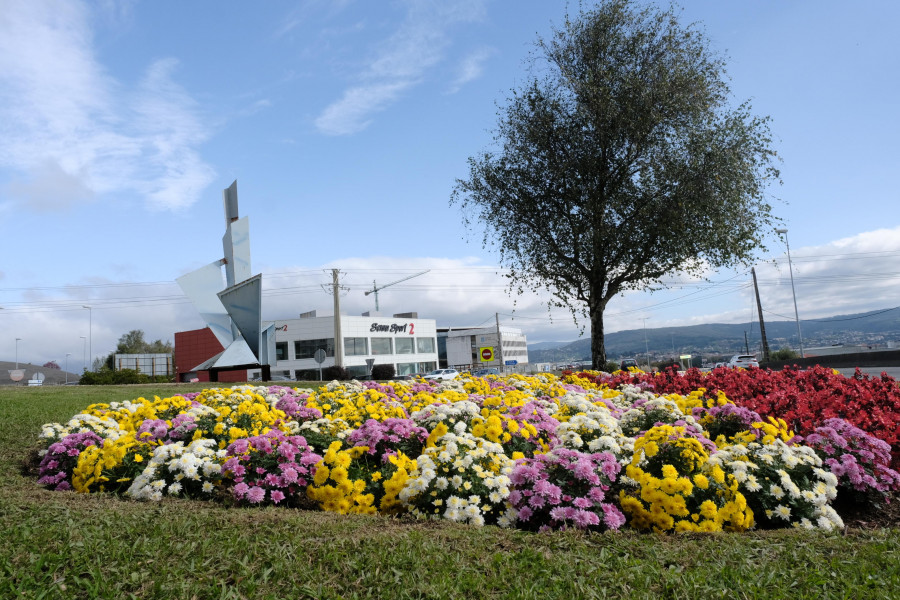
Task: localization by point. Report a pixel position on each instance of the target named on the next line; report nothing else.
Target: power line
(880, 312)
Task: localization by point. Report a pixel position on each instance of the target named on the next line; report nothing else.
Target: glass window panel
(307, 348)
(407, 368)
(425, 345)
(281, 351)
(404, 346)
(381, 345)
(355, 346)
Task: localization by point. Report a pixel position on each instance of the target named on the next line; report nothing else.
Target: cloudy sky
(346, 123)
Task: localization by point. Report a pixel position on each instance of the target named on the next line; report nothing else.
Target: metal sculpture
(233, 311)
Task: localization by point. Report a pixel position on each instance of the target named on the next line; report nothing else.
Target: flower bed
(590, 452)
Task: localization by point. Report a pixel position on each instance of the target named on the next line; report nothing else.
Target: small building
(403, 340)
(193, 348)
(148, 364)
(470, 348)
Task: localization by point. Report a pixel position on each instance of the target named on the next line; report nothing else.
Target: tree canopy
(133, 343)
(621, 159)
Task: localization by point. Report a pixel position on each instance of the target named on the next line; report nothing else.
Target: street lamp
(793, 289)
(17, 352)
(84, 355)
(90, 332)
(68, 354)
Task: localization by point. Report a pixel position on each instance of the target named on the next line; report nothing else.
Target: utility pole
(499, 342)
(746, 343)
(762, 324)
(338, 340)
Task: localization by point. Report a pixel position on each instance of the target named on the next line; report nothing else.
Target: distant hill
(726, 338)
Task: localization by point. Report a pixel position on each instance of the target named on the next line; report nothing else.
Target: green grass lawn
(68, 545)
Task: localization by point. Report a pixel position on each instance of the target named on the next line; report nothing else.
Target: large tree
(621, 159)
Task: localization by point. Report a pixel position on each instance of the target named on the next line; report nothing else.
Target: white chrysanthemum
(752, 484)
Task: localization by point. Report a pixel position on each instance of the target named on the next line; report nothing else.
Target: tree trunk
(598, 345)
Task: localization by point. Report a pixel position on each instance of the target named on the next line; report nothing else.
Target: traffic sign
(487, 354)
(510, 363)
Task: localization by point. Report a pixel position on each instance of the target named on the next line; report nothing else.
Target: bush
(383, 372)
(107, 376)
(783, 354)
(335, 372)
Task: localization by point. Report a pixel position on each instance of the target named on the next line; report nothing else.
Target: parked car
(443, 374)
(743, 360)
(628, 363)
(486, 371)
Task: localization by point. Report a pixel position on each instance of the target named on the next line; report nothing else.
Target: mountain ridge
(872, 327)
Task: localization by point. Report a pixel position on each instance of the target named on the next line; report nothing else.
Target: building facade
(478, 347)
(406, 342)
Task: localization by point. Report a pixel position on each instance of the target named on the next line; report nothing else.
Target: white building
(478, 347)
(404, 341)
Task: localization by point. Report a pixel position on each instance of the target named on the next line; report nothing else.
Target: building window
(427, 366)
(425, 345)
(405, 346)
(407, 368)
(307, 348)
(357, 370)
(381, 345)
(281, 352)
(355, 346)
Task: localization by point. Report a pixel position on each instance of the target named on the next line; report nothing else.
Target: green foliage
(133, 343)
(620, 161)
(383, 372)
(108, 376)
(335, 372)
(783, 354)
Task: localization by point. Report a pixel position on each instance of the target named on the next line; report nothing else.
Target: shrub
(383, 372)
(335, 372)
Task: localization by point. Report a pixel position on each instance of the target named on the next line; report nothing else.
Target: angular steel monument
(233, 311)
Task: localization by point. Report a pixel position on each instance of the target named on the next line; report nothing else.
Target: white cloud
(60, 111)
(400, 62)
(849, 275)
(471, 68)
(350, 113)
(49, 188)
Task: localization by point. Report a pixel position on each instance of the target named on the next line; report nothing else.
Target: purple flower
(584, 519)
(256, 494)
(55, 470)
(583, 502)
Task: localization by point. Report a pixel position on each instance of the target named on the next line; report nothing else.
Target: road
(874, 371)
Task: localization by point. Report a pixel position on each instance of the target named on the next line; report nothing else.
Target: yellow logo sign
(487, 354)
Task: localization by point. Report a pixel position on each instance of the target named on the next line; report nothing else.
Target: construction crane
(375, 287)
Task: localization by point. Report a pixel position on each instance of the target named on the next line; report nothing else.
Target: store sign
(487, 354)
(392, 328)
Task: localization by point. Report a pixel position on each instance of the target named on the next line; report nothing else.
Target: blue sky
(346, 124)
